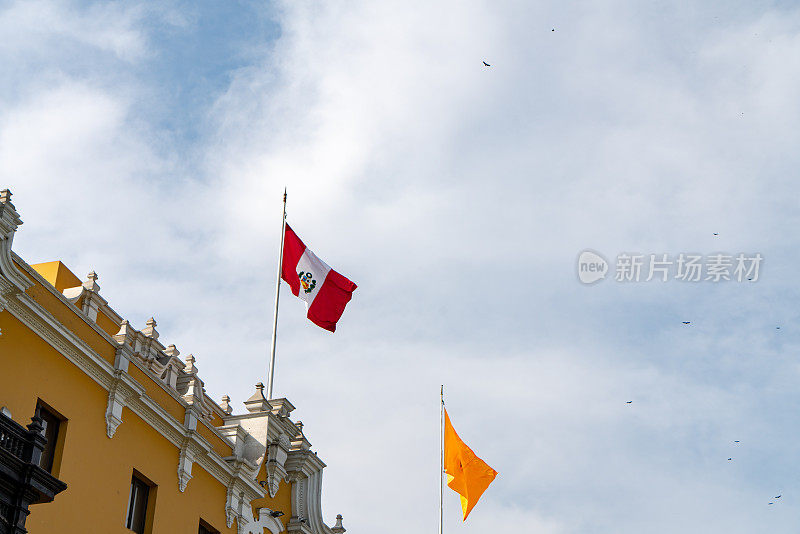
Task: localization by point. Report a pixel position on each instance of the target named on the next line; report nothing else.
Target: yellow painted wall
(216, 420)
(97, 469)
(157, 393)
(110, 327)
(217, 443)
(57, 274)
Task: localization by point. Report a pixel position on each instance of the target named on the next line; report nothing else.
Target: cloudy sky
(151, 142)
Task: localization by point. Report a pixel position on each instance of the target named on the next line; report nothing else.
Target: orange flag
(467, 475)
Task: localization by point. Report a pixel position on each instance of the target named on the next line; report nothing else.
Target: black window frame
(140, 501)
(205, 528)
(53, 424)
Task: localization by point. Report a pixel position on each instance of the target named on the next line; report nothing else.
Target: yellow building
(130, 429)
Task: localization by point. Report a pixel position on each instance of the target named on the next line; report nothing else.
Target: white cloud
(457, 197)
(42, 28)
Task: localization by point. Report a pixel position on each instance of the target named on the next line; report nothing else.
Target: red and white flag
(325, 291)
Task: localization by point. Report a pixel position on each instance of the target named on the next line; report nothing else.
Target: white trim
(305, 473)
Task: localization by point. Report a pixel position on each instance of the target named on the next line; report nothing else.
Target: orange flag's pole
(441, 459)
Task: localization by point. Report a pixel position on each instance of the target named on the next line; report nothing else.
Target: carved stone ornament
(185, 461)
(277, 453)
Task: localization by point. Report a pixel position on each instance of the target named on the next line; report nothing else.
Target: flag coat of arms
(325, 291)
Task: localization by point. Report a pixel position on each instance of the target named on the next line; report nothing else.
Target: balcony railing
(22, 481)
(25, 444)
(13, 437)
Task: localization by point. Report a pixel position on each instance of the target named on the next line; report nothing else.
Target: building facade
(127, 424)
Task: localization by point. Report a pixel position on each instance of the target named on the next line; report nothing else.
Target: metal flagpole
(277, 296)
(441, 459)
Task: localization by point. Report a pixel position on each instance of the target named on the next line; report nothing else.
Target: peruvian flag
(325, 291)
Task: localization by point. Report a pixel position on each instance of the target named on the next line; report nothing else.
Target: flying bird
(779, 496)
(686, 322)
(736, 441)
(729, 459)
(486, 64)
(772, 503)
(715, 233)
(629, 402)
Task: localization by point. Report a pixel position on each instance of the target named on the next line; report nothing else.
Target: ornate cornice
(122, 386)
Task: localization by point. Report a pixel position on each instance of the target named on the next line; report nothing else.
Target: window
(52, 423)
(205, 528)
(137, 504)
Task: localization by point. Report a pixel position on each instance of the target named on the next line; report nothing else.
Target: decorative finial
(190, 368)
(172, 351)
(299, 425)
(150, 329)
(226, 404)
(5, 196)
(91, 282)
(338, 528)
(36, 425)
(125, 334)
(257, 402)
